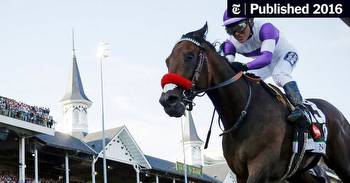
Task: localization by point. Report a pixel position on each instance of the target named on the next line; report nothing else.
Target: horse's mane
(218, 53)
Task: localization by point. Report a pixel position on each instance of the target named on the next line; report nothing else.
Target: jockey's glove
(238, 66)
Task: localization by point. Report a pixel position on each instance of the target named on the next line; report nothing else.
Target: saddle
(272, 89)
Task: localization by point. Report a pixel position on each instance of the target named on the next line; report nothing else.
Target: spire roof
(75, 91)
(190, 132)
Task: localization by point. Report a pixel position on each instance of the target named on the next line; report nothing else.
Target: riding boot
(294, 96)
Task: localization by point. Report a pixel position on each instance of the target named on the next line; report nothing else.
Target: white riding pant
(280, 68)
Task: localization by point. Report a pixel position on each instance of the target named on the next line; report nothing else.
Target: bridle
(190, 92)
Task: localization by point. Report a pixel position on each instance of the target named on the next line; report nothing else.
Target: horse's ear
(203, 31)
(198, 35)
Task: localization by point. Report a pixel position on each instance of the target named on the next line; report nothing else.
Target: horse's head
(187, 72)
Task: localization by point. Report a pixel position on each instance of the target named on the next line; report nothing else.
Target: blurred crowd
(25, 112)
(14, 179)
(6, 177)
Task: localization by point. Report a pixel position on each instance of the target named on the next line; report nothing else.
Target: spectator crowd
(25, 112)
(7, 177)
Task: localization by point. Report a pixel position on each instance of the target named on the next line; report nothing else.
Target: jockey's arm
(269, 36)
(261, 61)
(229, 51)
(230, 58)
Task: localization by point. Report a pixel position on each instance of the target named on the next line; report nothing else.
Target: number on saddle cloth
(317, 129)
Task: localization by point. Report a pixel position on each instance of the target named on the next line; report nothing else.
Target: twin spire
(75, 91)
(190, 132)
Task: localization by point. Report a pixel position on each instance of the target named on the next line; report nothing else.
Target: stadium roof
(64, 141)
(117, 134)
(94, 139)
(170, 167)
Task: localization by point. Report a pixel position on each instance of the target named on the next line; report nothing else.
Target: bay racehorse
(257, 143)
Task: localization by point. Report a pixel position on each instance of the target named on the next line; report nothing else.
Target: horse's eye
(189, 56)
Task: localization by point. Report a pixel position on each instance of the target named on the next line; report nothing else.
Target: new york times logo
(294, 8)
(236, 9)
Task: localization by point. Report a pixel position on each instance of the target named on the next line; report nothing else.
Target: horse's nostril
(169, 99)
(172, 99)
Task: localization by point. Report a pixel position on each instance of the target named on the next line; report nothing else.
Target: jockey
(273, 56)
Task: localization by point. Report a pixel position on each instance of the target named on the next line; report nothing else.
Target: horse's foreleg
(241, 180)
(258, 169)
(266, 167)
(256, 177)
(261, 176)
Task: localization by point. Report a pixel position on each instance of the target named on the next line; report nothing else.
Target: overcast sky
(36, 56)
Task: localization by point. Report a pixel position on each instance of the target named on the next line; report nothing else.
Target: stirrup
(300, 116)
(296, 115)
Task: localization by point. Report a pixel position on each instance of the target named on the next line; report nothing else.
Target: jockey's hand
(238, 66)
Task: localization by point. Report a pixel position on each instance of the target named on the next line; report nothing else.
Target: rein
(241, 116)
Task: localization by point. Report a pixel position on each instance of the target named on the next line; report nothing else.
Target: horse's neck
(229, 100)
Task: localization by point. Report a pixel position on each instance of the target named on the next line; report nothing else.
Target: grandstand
(63, 158)
(18, 122)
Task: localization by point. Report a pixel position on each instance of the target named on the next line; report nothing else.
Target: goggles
(238, 27)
